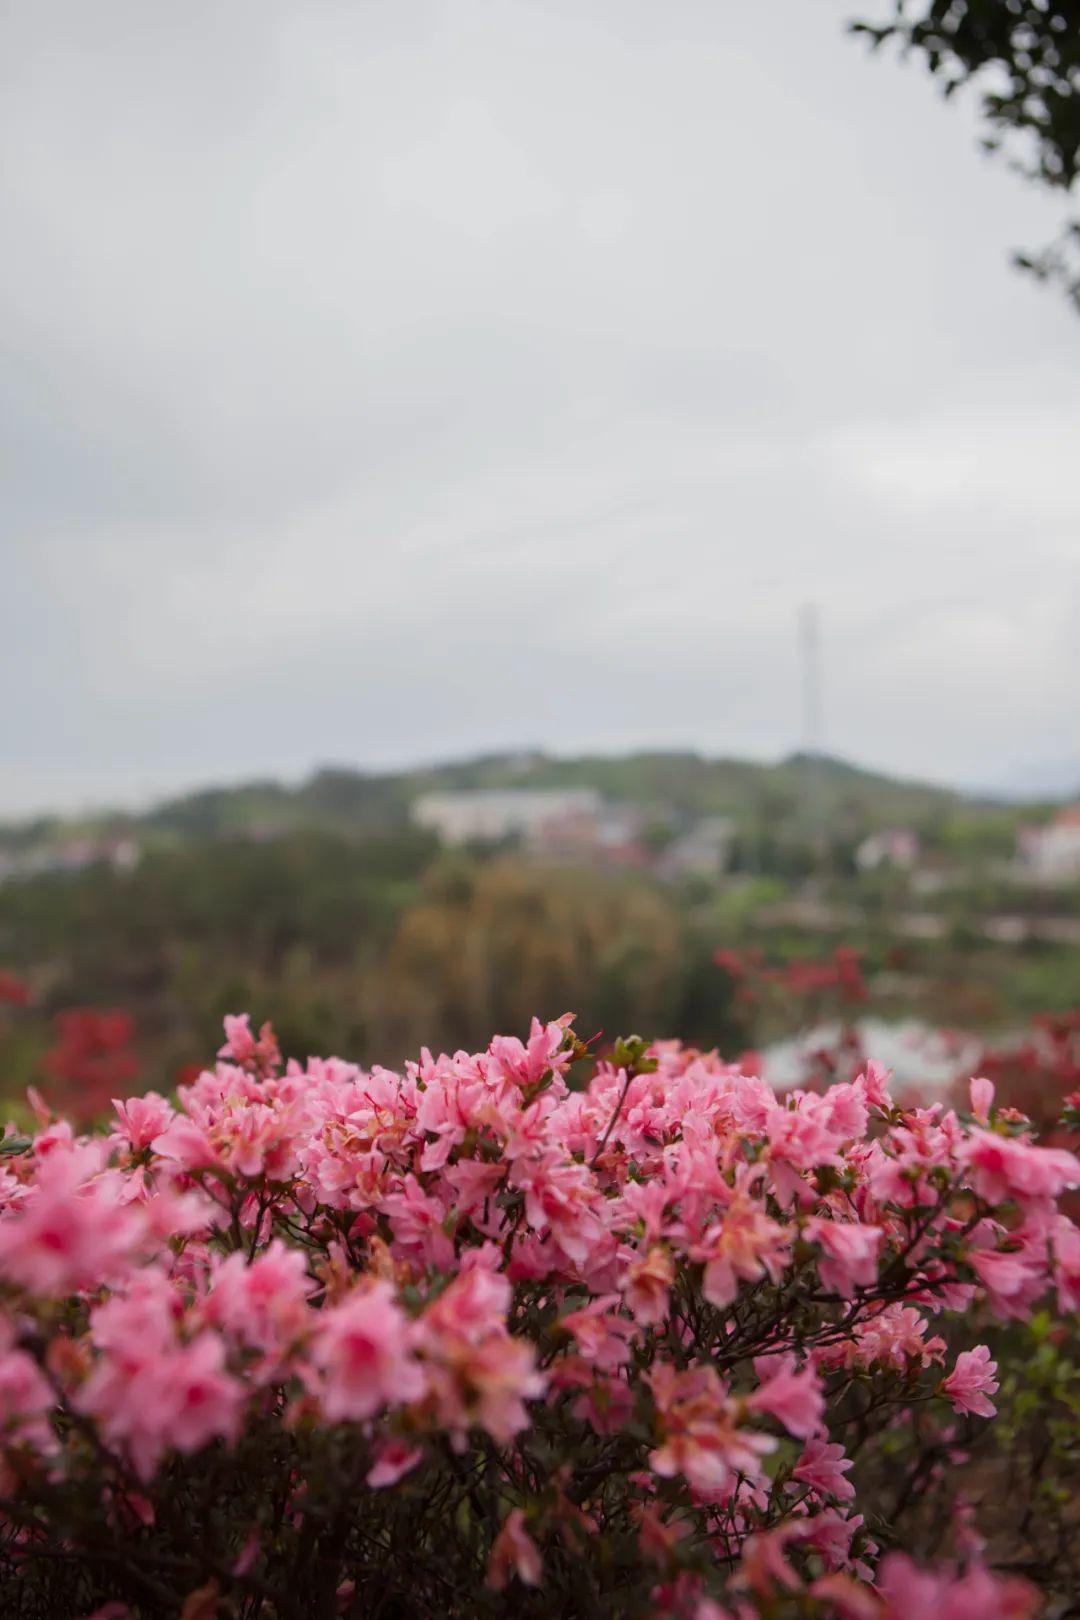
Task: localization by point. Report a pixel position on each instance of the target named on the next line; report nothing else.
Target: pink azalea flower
(141, 1119)
(429, 1254)
(743, 1245)
(1066, 1246)
(971, 1382)
(188, 1143)
(822, 1467)
(393, 1461)
(363, 1352)
(151, 1395)
(795, 1399)
(1012, 1280)
(700, 1439)
(910, 1593)
(601, 1336)
(982, 1099)
(25, 1398)
(646, 1285)
(1010, 1167)
(875, 1082)
(417, 1220)
(68, 1233)
(526, 1065)
(513, 1552)
(477, 1373)
(241, 1046)
(263, 1303)
(849, 1255)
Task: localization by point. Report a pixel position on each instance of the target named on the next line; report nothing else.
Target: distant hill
(1036, 783)
(788, 797)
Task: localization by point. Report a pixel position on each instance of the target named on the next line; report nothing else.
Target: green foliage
(370, 947)
(1022, 1473)
(1025, 55)
(769, 803)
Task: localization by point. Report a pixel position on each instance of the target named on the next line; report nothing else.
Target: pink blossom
(848, 1599)
(477, 1373)
(241, 1046)
(433, 1253)
(392, 1462)
(795, 1399)
(1010, 1167)
(526, 1065)
(262, 1302)
(142, 1118)
(188, 1143)
(972, 1380)
(196, 1399)
(147, 1400)
(513, 1552)
(646, 1284)
(829, 1533)
(560, 1198)
(602, 1336)
(363, 1351)
(894, 1336)
(849, 1255)
(1012, 1280)
(764, 1564)
(25, 1398)
(699, 1437)
(875, 1082)
(803, 1135)
(982, 1099)
(417, 1219)
(910, 1593)
(744, 1244)
(1066, 1247)
(822, 1467)
(69, 1233)
(848, 1114)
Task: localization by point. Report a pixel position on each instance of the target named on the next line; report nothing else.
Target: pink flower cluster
(647, 1302)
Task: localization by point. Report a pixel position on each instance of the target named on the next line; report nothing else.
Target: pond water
(917, 1054)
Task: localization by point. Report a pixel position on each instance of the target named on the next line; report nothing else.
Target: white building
(1051, 854)
(70, 855)
(702, 852)
(897, 846)
(489, 816)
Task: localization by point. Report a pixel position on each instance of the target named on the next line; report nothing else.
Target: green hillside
(788, 797)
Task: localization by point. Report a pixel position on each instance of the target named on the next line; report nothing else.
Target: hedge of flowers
(474, 1339)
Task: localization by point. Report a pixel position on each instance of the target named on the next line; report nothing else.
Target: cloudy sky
(384, 380)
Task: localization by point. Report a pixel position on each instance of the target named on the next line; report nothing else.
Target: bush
(465, 1341)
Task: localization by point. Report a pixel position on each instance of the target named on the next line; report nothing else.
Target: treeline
(369, 948)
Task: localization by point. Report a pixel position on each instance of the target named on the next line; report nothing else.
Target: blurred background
(516, 506)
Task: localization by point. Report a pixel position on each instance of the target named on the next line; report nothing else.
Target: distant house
(1051, 853)
(599, 835)
(490, 816)
(70, 855)
(703, 851)
(896, 846)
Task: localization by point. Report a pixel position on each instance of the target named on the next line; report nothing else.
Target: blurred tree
(489, 949)
(1025, 55)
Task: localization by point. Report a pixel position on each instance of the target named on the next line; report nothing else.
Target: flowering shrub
(832, 987)
(467, 1341)
(1039, 1074)
(90, 1059)
(14, 991)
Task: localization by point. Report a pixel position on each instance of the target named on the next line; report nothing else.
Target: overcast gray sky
(388, 381)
